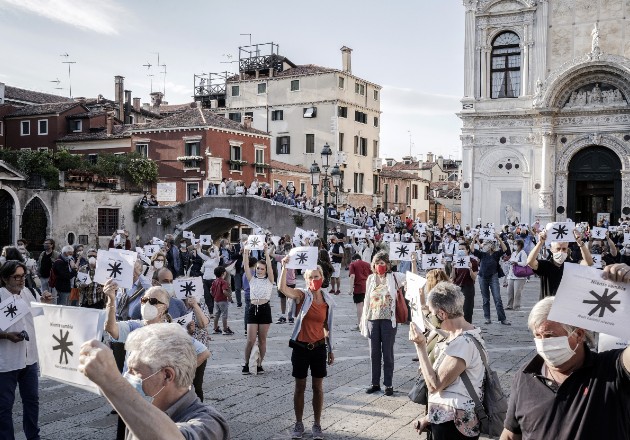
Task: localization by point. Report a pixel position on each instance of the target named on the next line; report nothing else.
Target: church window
(506, 66)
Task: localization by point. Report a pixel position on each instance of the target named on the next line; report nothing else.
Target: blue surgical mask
(136, 383)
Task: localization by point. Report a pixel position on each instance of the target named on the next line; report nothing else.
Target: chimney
(1, 93)
(247, 121)
(118, 96)
(429, 157)
(136, 104)
(440, 161)
(110, 123)
(346, 59)
(156, 99)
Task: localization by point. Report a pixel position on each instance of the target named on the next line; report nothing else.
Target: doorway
(594, 185)
(7, 214)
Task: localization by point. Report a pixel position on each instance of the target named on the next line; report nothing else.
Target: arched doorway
(7, 214)
(594, 185)
(34, 225)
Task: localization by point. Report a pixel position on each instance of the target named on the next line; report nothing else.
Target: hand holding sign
(401, 251)
(188, 287)
(117, 265)
(206, 240)
(303, 257)
(255, 243)
(560, 231)
(432, 261)
(598, 233)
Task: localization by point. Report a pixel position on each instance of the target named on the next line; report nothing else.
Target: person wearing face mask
(451, 409)
(45, 262)
(158, 260)
(550, 271)
(568, 391)
(465, 279)
(608, 251)
(312, 344)
(210, 263)
(154, 310)
(79, 255)
(259, 314)
(21, 245)
(378, 322)
(91, 295)
(489, 259)
(65, 269)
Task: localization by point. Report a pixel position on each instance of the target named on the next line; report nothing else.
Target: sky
(414, 49)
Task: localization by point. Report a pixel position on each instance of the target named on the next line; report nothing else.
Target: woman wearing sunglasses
(154, 310)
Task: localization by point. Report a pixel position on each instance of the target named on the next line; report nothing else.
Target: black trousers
(448, 431)
(119, 355)
(198, 380)
(207, 296)
(469, 301)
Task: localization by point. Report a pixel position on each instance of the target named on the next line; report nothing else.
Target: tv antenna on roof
(250, 38)
(147, 65)
(69, 63)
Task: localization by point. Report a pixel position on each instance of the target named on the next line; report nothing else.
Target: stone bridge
(216, 215)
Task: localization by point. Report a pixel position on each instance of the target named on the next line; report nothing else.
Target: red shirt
(218, 286)
(361, 271)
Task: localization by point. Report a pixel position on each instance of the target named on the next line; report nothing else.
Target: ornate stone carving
(596, 52)
(596, 98)
(562, 164)
(593, 120)
(467, 140)
(596, 138)
(502, 122)
(546, 200)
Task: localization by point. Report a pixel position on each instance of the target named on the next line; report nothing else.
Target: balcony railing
(377, 164)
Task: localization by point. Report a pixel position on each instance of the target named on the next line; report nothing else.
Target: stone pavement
(261, 407)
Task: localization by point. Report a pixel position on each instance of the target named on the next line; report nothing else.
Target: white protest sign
(12, 310)
(461, 262)
(350, 232)
(151, 249)
(414, 284)
(486, 234)
(613, 228)
(61, 330)
(608, 342)
(188, 234)
(421, 227)
(255, 242)
(598, 233)
(205, 240)
(584, 299)
(188, 287)
(302, 257)
(432, 261)
(157, 241)
(387, 237)
(597, 261)
(299, 235)
(401, 251)
(626, 238)
(560, 231)
(360, 233)
(84, 278)
(117, 265)
(184, 320)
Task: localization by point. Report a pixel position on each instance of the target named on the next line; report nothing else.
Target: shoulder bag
(402, 313)
(522, 271)
(491, 413)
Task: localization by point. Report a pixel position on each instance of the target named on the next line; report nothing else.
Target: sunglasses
(152, 301)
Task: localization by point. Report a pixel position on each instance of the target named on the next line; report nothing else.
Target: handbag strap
(480, 410)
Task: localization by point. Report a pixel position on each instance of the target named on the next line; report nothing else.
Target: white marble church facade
(546, 115)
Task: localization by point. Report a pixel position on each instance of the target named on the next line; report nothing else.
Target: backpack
(491, 413)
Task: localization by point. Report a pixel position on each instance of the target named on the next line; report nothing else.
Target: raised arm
(289, 292)
(111, 326)
(587, 259)
(248, 273)
(611, 245)
(532, 258)
(269, 264)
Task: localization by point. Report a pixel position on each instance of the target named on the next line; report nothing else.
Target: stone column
(484, 63)
(546, 205)
(561, 194)
(540, 49)
(469, 55)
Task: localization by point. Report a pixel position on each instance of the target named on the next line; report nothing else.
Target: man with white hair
(569, 391)
(64, 269)
(162, 363)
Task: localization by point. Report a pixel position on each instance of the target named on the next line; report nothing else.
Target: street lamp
(335, 176)
(436, 193)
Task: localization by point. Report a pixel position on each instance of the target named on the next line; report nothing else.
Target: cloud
(95, 16)
(398, 101)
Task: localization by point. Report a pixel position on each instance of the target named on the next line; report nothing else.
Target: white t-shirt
(15, 356)
(456, 395)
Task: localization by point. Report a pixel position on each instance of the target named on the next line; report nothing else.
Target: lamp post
(436, 193)
(334, 176)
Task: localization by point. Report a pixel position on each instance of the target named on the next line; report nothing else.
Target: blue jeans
(27, 379)
(382, 336)
(63, 298)
(486, 285)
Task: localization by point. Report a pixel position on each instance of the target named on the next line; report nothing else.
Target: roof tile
(31, 96)
(44, 109)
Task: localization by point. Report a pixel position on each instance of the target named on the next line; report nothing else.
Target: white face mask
(158, 264)
(149, 312)
(423, 239)
(487, 247)
(555, 351)
(92, 261)
(169, 288)
(559, 257)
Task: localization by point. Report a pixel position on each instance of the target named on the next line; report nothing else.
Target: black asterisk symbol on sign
(302, 257)
(461, 262)
(432, 261)
(402, 251)
(254, 242)
(64, 346)
(602, 302)
(114, 269)
(12, 310)
(181, 321)
(560, 231)
(188, 288)
(486, 233)
(598, 232)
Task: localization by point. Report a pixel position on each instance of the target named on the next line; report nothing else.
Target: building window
(310, 112)
(236, 91)
(342, 82)
(375, 184)
(42, 126)
(92, 158)
(25, 128)
(191, 188)
(107, 221)
(363, 146)
(295, 85)
(359, 88)
(1, 128)
(375, 95)
(142, 150)
(277, 115)
(360, 117)
(358, 183)
(260, 161)
(235, 155)
(414, 192)
(310, 143)
(395, 193)
(506, 66)
(262, 88)
(42, 148)
(375, 148)
(76, 126)
(341, 137)
(376, 121)
(192, 149)
(236, 117)
(356, 145)
(283, 145)
(407, 198)
(342, 112)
